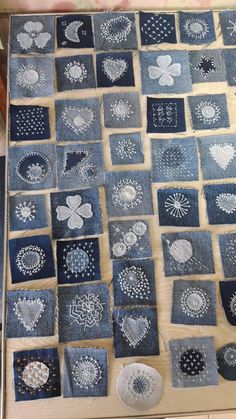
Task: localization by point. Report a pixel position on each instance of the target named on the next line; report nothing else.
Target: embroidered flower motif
(30, 77)
(121, 109)
(125, 149)
(177, 205)
(75, 71)
(86, 372)
(33, 35)
(26, 211)
(196, 28)
(30, 259)
(208, 112)
(86, 310)
(165, 71)
(74, 212)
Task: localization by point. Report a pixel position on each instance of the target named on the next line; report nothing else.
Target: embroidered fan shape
(74, 212)
(34, 35)
(29, 312)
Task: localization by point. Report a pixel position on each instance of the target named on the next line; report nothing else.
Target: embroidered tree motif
(165, 71)
(86, 310)
(33, 35)
(74, 212)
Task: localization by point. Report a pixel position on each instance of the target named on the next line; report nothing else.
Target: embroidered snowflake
(125, 148)
(26, 211)
(194, 302)
(74, 212)
(226, 202)
(134, 283)
(86, 372)
(30, 77)
(140, 385)
(121, 109)
(75, 71)
(177, 205)
(206, 66)
(165, 71)
(117, 29)
(232, 27)
(86, 310)
(33, 35)
(196, 28)
(208, 112)
(78, 119)
(127, 193)
(30, 259)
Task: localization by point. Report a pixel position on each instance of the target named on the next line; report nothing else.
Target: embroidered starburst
(208, 112)
(177, 205)
(125, 148)
(121, 109)
(232, 27)
(127, 193)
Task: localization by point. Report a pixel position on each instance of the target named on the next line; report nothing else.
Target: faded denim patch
(227, 23)
(196, 28)
(209, 111)
(27, 212)
(227, 244)
(228, 299)
(230, 65)
(122, 110)
(207, 66)
(115, 69)
(74, 31)
(221, 203)
(75, 72)
(157, 28)
(29, 123)
(226, 361)
(126, 148)
(165, 115)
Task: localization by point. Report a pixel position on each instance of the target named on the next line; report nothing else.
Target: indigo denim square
(78, 120)
(27, 212)
(226, 361)
(174, 159)
(194, 302)
(228, 299)
(165, 115)
(31, 258)
(85, 372)
(3, 227)
(122, 110)
(76, 213)
(208, 111)
(134, 282)
(115, 69)
(187, 253)
(129, 239)
(30, 313)
(80, 166)
(165, 72)
(128, 193)
(227, 23)
(28, 123)
(196, 28)
(157, 28)
(221, 203)
(178, 207)
(126, 148)
(31, 168)
(207, 66)
(227, 244)
(114, 31)
(135, 332)
(75, 72)
(74, 31)
(78, 261)
(84, 312)
(36, 374)
(230, 65)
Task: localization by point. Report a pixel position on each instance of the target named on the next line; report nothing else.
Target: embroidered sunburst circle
(121, 110)
(30, 259)
(117, 29)
(35, 374)
(30, 77)
(230, 356)
(125, 149)
(26, 211)
(208, 112)
(134, 283)
(177, 205)
(196, 28)
(127, 193)
(33, 168)
(75, 72)
(86, 372)
(194, 302)
(140, 385)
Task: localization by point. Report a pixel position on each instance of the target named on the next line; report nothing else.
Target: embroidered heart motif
(223, 154)
(114, 68)
(29, 312)
(135, 329)
(226, 202)
(78, 119)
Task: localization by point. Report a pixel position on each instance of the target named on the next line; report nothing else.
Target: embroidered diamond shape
(74, 31)
(115, 69)
(165, 115)
(221, 203)
(156, 28)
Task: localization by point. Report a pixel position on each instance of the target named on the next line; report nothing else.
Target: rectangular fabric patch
(207, 66)
(75, 72)
(122, 110)
(230, 65)
(126, 148)
(115, 69)
(221, 203)
(157, 28)
(209, 111)
(27, 212)
(74, 31)
(29, 123)
(227, 23)
(227, 244)
(196, 28)
(228, 298)
(165, 115)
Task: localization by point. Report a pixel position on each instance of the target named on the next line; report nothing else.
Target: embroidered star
(232, 28)
(206, 66)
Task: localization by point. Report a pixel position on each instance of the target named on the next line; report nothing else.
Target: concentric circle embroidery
(86, 372)
(35, 374)
(30, 77)
(30, 259)
(134, 283)
(208, 112)
(34, 168)
(230, 356)
(127, 193)
(75, 71)
(116, 30)
(140, 385)
(192, 362)
(194, 302)
(26, 211)
(196, 28)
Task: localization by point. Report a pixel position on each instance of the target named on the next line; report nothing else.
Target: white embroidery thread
(30, 259)
(223, 154)
(86, 310)
(121, 110)
(177, 205)
(86, 372)
(75, 71)
(226, 202)
(113, 68)
(134, 283)
(74, 212)
(35, 374)
(26, 211)
(129, 239)
(127, 194)
(29, 311)
(33, 35)
(111, 32)
(196, 28)
(30, 77)
(164, 71)
(208, 112)
(135, 329)
(78, 119)
(194, 302)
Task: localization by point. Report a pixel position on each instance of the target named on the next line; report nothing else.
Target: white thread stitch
(164, 71)
(157, 28)
(223, 154)
(121, 110)
(226, 202)
(194, 302)
(192, 362)
(26, 211)
(231, 251)
(232, 28)
(78, 119)
(86, 310)
(125, 149)
(78, 260)
(33, 35)
(165, 115)
(74, 159)
(75, 71)
(229, 356)
(206, 66)
(35, 374)
(30, 122)
(74, 212)
(177, 205)
(86, 372)
(208, 112)
(135, 329)
(196, 28)
(129, 238)
(116, 30)
(71, 31)
(140, 385)
(172, 161)
(232, 304)
(29, 311)
(114, 68)
(127, 194)
(30, 259)
(35, 172)
(134, 283)
(181, 252)
(30, 77)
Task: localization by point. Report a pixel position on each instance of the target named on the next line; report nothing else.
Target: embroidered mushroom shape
(164, 71)
(33, 35)
(74, 212)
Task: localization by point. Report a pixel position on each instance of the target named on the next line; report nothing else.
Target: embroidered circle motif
(130, 238)
(125, 149)
(26, 211)
(30, 259)
(181, 250)
(232, 304)
(139, 228)
(33, 168)
(173, 157)
(86, 372)
(121, 110)
(127, 193)
(191, 362)
(116, 30)
(119, 249)
(208, 112)
(196, 28)
(35, 374)
(134, 283)
(75, 72)
(177, 205)
(140, 385)
(230, 356)
(30, 77)
(88, 171)
(77, 260)
(194, 302)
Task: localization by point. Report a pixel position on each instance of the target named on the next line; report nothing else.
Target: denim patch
(207, 66)
(157, 28)
(129, 239)
(78, 261)
(126, 148)
(27, 212)
(36, 374)
(134, 282)
(221, 203)
(30, 313)
(31, 77)
(165, 115)
(31, 167)
(31, 258)
(122, 110)
(78, 120)
(84, 312)
(74, 31)
(3, 227)
(194, 302)
(228, 299)
(193, 362)
(227, 244)
(230, 65)
(29, 123)
(114, 31)
(197, 28)
(76, 213)
(228, 29)
(80, 166)
(165, 72)
(178, 207)
(226, 361)
(208, 111)
(135, 332)
(187, 253)
(115, 69)
(128, 193)
(85, 372)
(75, 72)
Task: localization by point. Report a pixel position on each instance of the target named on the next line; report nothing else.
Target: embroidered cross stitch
(74, 31)
(27, 212)
(165, 115)
(226, 361)
(126, 148)
(115, 69)
(221, 203)
(156, 28)
(228, 26)
(227, 244)
(75, 72)
(122, 110)
(230, 66)
(228, 298)
(207, 66)
(196, 28)
(29, 123)
(209, 111)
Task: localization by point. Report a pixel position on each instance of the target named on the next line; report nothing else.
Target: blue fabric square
(230, 65)
(27, 212)
(74, 31)
(178, 207)
(196, 28)
(134, 282)
(227, 244)
(78, 383)
(76, 213)
(75, 72)
(78, 261)
(28, 123)
(187, 253)
(36, 374)
(165, 115)
(165, 72)
(221, 203)
(30, 313)
(84, 312)
(135, 332)
(122, 110)
(115, 69)
(228, 298)
(157, 28)
(31, 258)
(126, 148)
(207, 66)
(209, 111)
(227, 23)
(128, 193)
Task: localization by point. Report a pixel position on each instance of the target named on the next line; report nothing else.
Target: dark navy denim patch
(209, 111)
(228, 299)
(84, 312)
(27, 212)
(115, 69)
(29, 123)
(3, 227)
(135, 332)
(196, 28)
(30, 313)
(221, 203)
(74, 31)
(226, 361)
(187, 253)
(78, 261)
(227, 244)
(157, 28)
(85, 372)
(178, 207)
(207, 66)
(36, 374)
(31, 258)
(76, 213)
(122, 110)
(227, 23)
(134, 282)
(165, 115)
(75, 72)
(230, 65)
(126, 148)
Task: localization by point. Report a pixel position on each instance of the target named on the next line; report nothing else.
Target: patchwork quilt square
(209, 111)
(227, 244)
(226, 361)
(75, 72)
(228, 298)
(126, 148)
(115, 69)
(196, 28)
(165, 115)
(74, 31)
(157, 28)
(207, 66)
(221, 203)
(122, 110)
(230, 65)
(28, 123)
(227, 23)
(27, 212)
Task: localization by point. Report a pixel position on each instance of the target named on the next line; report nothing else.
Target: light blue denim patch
(207, 66)
(27, 212)
(122, 110)
(75, 72)
(221, 203)
(227, 243)
(230, 65)
(208, 111)
(196, 28)
(126, 148)
(227, 23)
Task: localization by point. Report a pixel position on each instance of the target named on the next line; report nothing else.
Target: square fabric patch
(115, 69)
(196, 28)
(128, 193)
(230, 65)
(228, 298)
(165, 115)
(30, 313)
(227, 244)
(84, 312)
(174, 160)
(36, 374)
(28, 123)
(178, 207)
(75, 213)
(85, 372)
(209, 111)
(157, 28)
(165, 72)
(27, 212)
(187, 253)
(31, 258)
(194, 302)
(221, 203)
(78, 261)
(227, 23)
(135, 332)
(74, 31)
(75, 72)
(122, 110)
(193, 362)
(126, 148)
(134, 282)
(207, 66)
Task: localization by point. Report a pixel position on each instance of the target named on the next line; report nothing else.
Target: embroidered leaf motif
(33, 35)
(135, 329)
